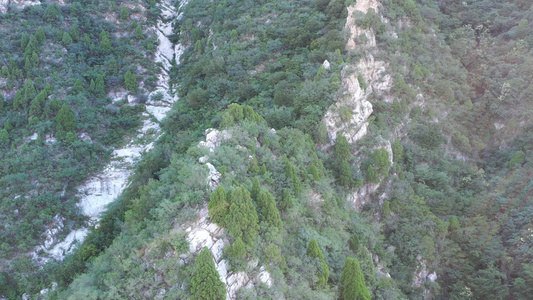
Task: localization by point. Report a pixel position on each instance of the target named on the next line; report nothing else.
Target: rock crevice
(103, 188)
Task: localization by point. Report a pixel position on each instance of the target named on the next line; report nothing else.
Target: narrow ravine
(103, 188)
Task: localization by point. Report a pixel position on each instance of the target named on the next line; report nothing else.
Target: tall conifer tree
(205, 283)
(353, 282)
(314, 251)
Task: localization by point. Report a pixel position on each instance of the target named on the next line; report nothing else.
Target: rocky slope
(103, 188)
(203, 233)
(4, 4)
(349, 115)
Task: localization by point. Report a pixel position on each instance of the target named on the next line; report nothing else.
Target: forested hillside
(318, 150)
(62, 67)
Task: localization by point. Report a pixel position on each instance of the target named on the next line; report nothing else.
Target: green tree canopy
(371, 175)
(268, 212)
(218, 206)
(52, 13)
(314, 251)
(353, 282)
(205, 283)
(345, 173)
(65, 119)
(256, 189)
(105, 41)
(341, 150)
(397, 151)
(242, 220)
(382, 163)
(130, 80)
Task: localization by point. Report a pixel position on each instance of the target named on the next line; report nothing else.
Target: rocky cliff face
(349, 115)
(203, 233)
(4, 4)
(104, 187)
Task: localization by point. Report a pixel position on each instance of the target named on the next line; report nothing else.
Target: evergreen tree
(112, 66)
(353, 285)
(18, 102)
(256, 189)
(371, 175)
(124, 13)
(253, 168)
(314, 251)
(130, 80)
(99, 86)
(8, 126)
(242, 220)
(36, 105)
(65, 119)
(39, 35)
(29, 92)
(268, 212)
(51, 108)
(354, 243)
(52, 13)
(78, 86)
(341, 150)
(70, 138)
(67, 39)
(27, 65)
(24, 39)
(4, 137)
(205, 283)
(87, 41)
(313, 170)
(35, 59)
(381, 159)
(138, 32)
(105, 42)
(397, 151)
(292, 176)
(236, 254)
(454, 224)
(218, 206)
(32, 45)
(385, 209)
(345, 174)
(286, 200)
(238, 249)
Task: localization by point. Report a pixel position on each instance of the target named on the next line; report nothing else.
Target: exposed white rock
(355, 31)
(498, 125)
(103, 188)
(264, 276)
(359, 108)
(200, 238)
(203, 233)
(422, 274)
(4, 4)
(213, 139)
(61, 249)
(362, 196)
(350, 113)
(234, 283)
(326, 65)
